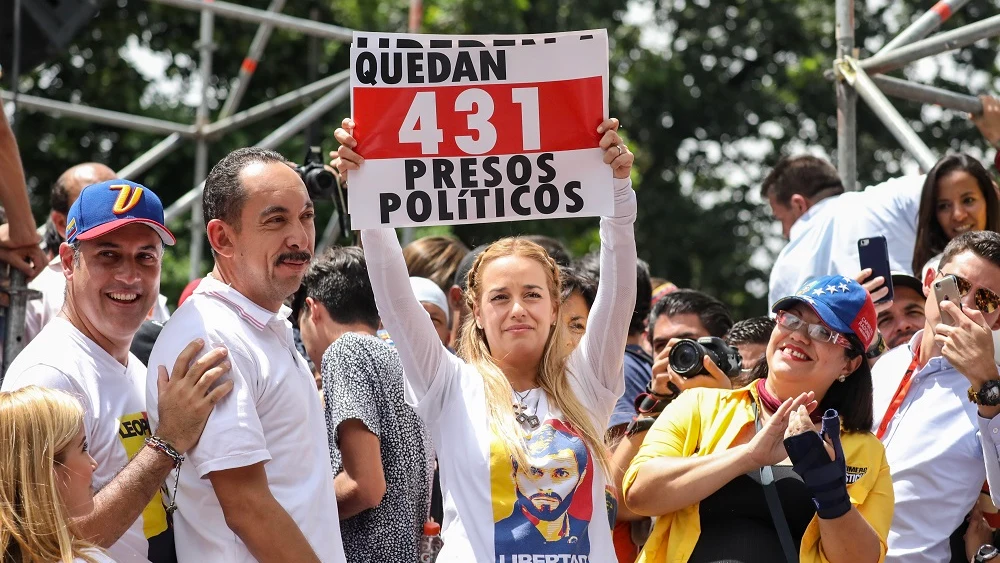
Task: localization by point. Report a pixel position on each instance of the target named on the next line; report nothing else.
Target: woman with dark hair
(958, 196)
(717, 462)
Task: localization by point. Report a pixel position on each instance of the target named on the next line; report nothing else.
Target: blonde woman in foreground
(46, 478)
(517, 420)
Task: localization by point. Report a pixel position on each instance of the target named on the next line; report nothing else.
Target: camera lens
(686, 358)
(319, 180)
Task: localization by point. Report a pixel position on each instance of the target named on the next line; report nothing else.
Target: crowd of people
(539, 407)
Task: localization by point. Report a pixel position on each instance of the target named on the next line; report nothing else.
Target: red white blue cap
(104, 207)
(841, 303)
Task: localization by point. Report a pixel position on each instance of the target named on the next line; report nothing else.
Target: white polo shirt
(51, 283)
(114, 405)
(824, 241)
(273, 415)
(934, 454)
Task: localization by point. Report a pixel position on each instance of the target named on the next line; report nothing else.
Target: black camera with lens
(324, 185)
(320, 182)
(687, 357)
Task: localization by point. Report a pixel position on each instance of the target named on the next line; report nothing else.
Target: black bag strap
(774, 505)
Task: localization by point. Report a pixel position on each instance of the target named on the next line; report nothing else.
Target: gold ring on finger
(620, 150)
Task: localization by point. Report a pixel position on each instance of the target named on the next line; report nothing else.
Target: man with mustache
(259, 220)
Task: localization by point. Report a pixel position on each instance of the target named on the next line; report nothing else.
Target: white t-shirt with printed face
(273, 415)
(559, 508)
(114, 404)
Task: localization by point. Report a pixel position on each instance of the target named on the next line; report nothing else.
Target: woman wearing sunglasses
(763, 473)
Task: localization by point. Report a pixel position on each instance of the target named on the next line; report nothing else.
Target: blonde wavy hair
(37, 425)
(553, 377)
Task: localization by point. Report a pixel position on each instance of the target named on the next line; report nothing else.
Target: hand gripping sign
(474, 129)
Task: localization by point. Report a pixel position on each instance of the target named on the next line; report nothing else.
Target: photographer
(685, 314)
(746, 475)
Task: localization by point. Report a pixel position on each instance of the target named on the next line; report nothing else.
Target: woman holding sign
(517, 419)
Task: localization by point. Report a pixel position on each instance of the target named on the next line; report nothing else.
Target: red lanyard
(901, 391)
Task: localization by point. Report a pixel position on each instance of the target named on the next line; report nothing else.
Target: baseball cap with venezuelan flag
(106, 206)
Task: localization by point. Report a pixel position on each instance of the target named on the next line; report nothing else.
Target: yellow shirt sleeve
(674, 434)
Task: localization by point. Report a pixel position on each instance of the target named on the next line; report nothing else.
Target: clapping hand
(767, 446)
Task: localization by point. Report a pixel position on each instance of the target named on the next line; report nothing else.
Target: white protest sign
(474, 129)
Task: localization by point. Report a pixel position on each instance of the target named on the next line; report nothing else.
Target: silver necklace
(521, 411)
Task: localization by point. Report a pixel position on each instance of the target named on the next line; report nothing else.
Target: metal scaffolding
(854, 77)
(327, 92)
(864, 77)
(324, 94)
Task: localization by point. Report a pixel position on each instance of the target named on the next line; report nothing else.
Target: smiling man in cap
(51, 282)
(111, 260)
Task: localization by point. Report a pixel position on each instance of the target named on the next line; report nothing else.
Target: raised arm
(603, 349)
(18, 240)
(420, 350)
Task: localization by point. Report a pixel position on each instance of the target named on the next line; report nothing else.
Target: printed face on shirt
(116, 281)
(276, 236)
(980, 272)
(799, 364)
(546, 507)
(906, 316)
(74, 470)
(516, 310)
(960, 205)
(574, 317)
(548, 483)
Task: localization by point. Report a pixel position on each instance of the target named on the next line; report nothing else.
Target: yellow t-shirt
(704, 421)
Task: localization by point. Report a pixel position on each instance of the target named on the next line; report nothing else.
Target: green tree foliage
(710, 95)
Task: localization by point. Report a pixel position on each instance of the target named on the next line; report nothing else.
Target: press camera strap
(774, 504)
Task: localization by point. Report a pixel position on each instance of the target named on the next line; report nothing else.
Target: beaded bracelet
(164, 447)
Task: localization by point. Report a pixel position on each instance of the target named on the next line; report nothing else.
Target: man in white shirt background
(823, 223)
(111, 266)
(935, 406)
(50, 282)
(258, 486)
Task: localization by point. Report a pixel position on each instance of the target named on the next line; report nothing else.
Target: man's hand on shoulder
(187, 396)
